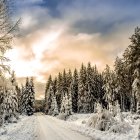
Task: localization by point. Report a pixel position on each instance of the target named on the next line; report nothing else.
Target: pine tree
(49, 98)
(136, 88)
(132, 62)
(31, 100)
(54, 108)
(83, 95)
(109, 86)
(90, 87)
(28, 98)
(69, 79)
(66, 105)
(10, 106)
(65, 83)
(59, 90)
(46, 93)
(54, 84)
(122, 88)
(74, 91)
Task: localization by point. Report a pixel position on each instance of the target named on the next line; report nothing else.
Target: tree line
(81, 90)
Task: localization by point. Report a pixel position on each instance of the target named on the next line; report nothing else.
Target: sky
(58, 34)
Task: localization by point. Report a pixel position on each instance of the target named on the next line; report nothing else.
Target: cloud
(58, 34)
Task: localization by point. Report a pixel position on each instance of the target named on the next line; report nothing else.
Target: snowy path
(52, 129)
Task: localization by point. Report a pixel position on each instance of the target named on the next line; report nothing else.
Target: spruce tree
(49, 99)
(90, 87)
(28, 98)
(59, 90)
(74, 91)
(54, 108)
(31, 100)
(46, 93)
(132, 62)
(83, 95)
(109, 86)
(66, 105)
(136, 88)
(122, 85)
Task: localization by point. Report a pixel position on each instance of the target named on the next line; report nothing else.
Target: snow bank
(25, 129)
(126, 130)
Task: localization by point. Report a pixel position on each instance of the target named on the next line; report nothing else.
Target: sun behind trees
(88, 87)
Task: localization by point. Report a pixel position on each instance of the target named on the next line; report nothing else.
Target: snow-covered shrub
(102, 121)
(93, 120)
(105, 120)
(98, 108)
(2, 131)
(121, 127)
(62, 116)
(138, 132)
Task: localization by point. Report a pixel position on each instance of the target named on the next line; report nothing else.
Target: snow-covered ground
(129, 128)
(25, 129)
(43, 127)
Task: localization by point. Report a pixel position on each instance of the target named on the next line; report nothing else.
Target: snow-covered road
(50, 128)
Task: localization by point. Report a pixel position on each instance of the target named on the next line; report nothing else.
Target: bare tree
(7, 32)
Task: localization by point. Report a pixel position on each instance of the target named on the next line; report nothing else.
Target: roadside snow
(25, 129)
(129, 129)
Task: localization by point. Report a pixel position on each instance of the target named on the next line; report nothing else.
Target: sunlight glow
(24, 68)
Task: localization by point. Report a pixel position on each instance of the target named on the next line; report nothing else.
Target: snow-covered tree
(10, 106)
(54, 108)
(98, 108)
(132, 62)
(31, 100)
(49, 99)
(28, 98)
(66, 105)
(74, 91)
(109, 85)
(136, 88)
(59, 90)
(84, 97)
(47, 93)
(90, 87)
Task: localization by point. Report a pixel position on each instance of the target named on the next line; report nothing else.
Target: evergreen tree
(46, 93)
(28, 98)
(90, 87)
(49, 98)
(69, 79)
(54, 108)
(31, 100)
(65, 88)
(83, 94)
(122, 88)
(59, 90)
(54, 84)
(74, 91)
(132, 62)
(109, 86)
(66, 105)
(136, 88)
